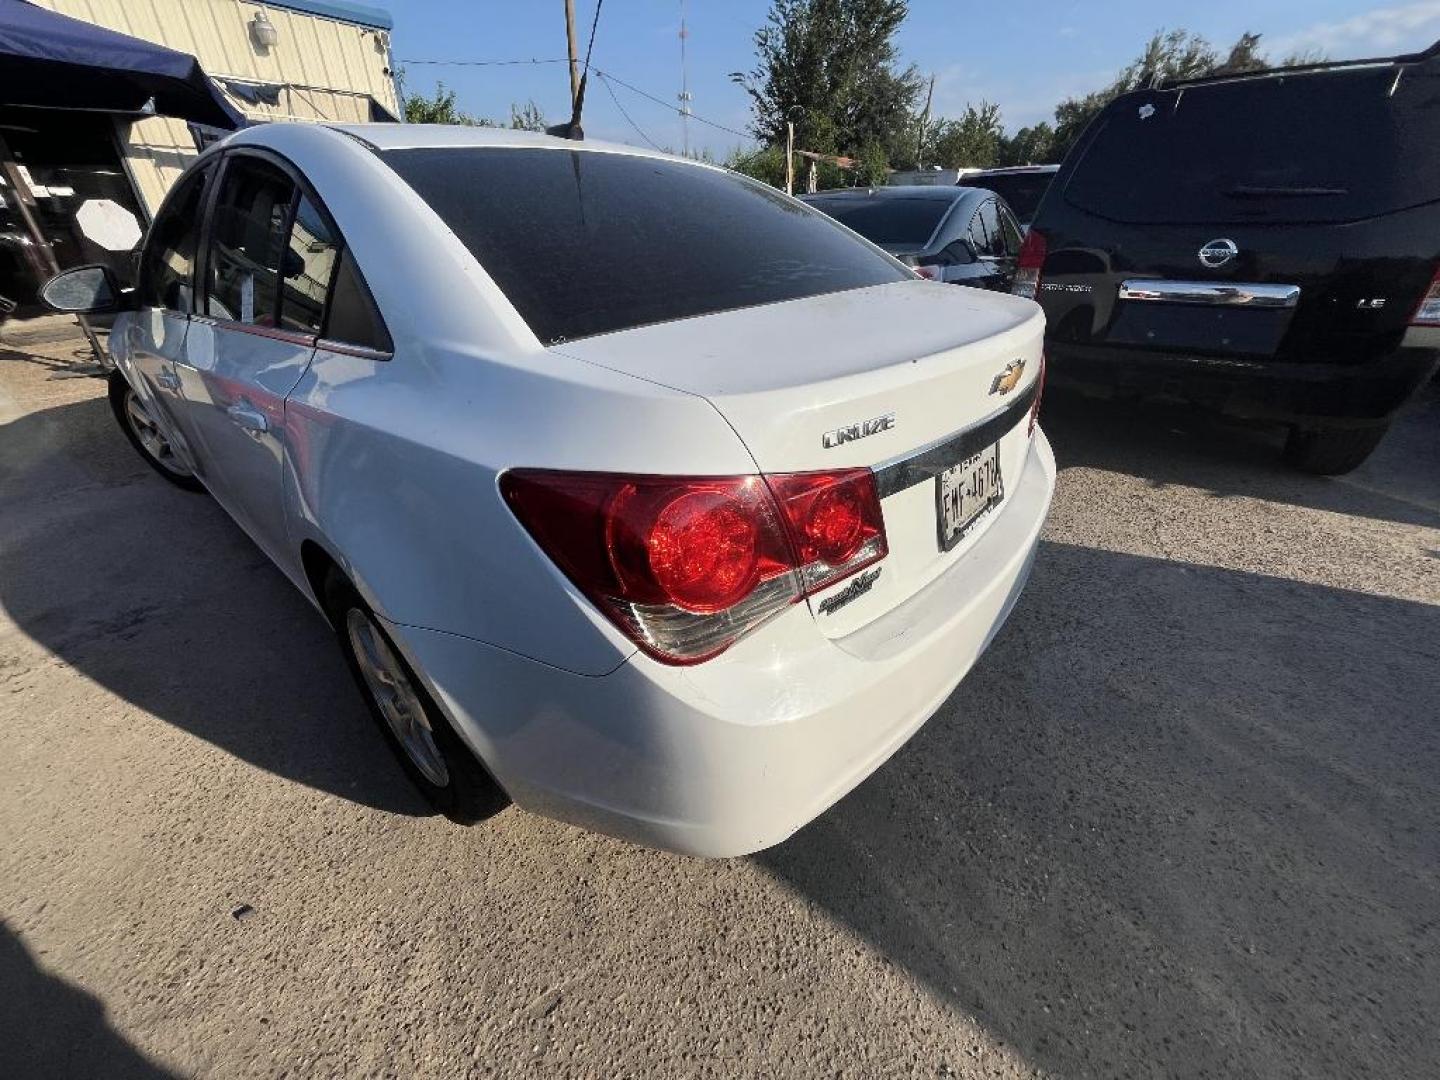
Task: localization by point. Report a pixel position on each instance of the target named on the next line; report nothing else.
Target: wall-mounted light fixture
(263, 31)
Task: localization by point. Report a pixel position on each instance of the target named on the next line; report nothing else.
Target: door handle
(248, 417)
(167, 380)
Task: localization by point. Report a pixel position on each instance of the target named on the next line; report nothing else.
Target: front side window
(587, 242)
(248, 242)
(167, 268)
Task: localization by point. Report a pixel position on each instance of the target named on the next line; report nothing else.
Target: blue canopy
(57, 62)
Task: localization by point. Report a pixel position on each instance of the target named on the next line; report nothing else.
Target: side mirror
(86, 290)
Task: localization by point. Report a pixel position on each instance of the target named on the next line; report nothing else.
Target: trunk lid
(894, 368)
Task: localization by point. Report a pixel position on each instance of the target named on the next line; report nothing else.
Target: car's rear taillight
(1039, 393)
(1028, 267)
(1428, 313)
(686, 566)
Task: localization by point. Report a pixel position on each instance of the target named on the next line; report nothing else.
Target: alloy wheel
(147, 431)
(395, 697)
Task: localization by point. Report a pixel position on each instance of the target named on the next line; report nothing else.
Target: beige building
(308, 60)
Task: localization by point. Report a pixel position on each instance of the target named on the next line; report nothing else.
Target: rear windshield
(1323, 147)
(586, 242)
(889, 222)
(1022, 191)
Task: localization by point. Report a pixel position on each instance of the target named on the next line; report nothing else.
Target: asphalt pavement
(1180, 821)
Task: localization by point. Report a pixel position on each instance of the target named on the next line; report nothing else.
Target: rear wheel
(433, 756)
(1332, 451)
(145, 435)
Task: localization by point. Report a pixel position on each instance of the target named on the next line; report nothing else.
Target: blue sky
(1024, 57)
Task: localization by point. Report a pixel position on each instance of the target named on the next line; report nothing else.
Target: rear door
(269, 258)
(1277, 217)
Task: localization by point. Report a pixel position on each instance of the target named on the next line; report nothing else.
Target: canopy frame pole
(25, 205)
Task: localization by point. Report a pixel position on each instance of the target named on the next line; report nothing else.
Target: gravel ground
(1180, 821)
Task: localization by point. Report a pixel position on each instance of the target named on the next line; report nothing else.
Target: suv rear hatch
(868, 377)
(1179, 202)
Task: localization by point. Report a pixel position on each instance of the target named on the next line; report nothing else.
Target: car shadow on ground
(1165, 443)
(49, 1027)
(153, 593)
(1179, 821)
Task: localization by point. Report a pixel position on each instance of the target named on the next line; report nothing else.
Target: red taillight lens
(931, 273)
(686, 566)
(1028, 267)
(834, 522)
(1428, 313)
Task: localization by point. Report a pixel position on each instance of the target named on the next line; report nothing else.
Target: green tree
(1029, 146)
(527, 117)
(973, 141)
(1169, 55)
(832, 67)
(439, 109)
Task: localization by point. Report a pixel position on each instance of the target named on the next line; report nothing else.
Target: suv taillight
(1428, 313)
(1027, 268)
(686, 566)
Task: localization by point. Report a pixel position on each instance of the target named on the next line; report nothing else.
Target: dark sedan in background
(961, 235)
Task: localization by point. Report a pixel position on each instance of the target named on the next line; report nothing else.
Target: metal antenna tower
(685, 97)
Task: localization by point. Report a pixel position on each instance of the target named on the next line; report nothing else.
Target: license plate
(964, 492)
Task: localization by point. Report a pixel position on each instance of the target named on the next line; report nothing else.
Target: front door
(154, 333)
(267, 265)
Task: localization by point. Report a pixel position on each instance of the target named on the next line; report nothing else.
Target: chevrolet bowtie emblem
(1008, 379)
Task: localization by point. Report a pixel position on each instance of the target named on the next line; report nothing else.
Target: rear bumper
(1321, 395)
(734, 755)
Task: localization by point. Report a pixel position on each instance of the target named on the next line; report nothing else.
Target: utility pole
(574, 56)
(790, 146)
(924, 120)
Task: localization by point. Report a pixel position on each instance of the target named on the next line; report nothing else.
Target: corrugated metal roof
(360, 14)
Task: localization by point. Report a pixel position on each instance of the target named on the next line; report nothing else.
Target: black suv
(1266, 244)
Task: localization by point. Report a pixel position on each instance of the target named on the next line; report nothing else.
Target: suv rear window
(886, 220)
(1320, 147)
(587, 242)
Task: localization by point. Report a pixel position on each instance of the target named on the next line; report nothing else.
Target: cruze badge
(862, 430)
(1217, 253)
(856, 589)
(1008, 379)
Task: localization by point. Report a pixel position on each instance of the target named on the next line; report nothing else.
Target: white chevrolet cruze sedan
(635, 491)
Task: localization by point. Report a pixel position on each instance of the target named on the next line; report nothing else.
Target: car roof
(1014, 170)
(936, 193)
(439, 136)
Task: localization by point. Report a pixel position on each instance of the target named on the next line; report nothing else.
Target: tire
(145, 435)
(438, 763)
(1332, 451)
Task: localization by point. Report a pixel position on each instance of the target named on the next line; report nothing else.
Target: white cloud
(1401, 28)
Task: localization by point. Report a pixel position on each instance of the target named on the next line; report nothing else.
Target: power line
(485, 63)
(665, 104)
(607, 76)
(625, 114)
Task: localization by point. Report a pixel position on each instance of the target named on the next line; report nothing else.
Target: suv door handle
(248, 417)
(167, 380)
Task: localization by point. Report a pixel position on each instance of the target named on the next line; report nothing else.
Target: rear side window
(1324, 147)
(588, 242)
(352, 318)
(308, 265)
(889, 222)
